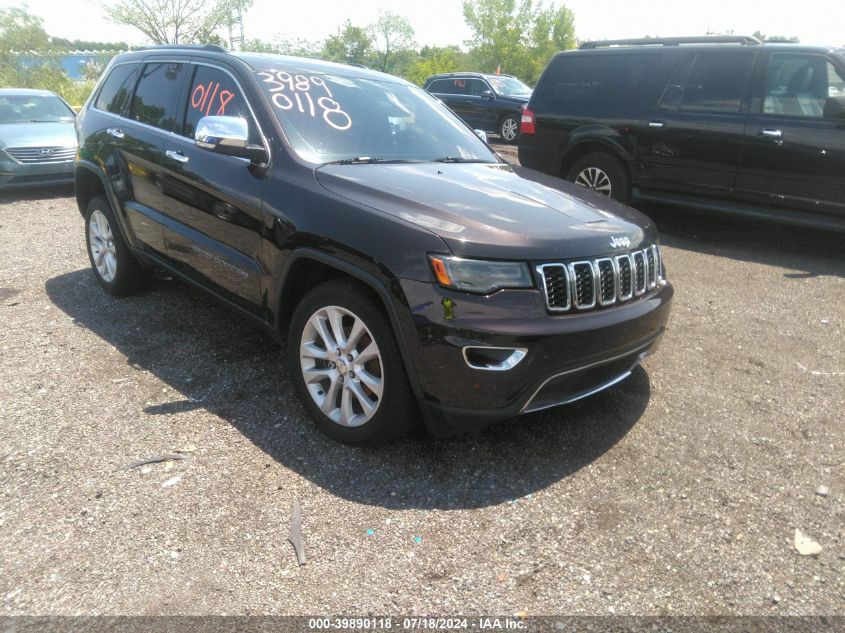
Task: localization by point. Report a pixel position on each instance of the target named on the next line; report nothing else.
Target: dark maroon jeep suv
(408, 269)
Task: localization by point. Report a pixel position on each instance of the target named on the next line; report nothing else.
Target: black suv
(355, 217)
(721, 123)
(492, 103)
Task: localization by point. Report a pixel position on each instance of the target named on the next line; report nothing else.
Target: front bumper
(568, 356)
(14, 174)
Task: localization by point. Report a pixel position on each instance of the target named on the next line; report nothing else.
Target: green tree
(351, 45)
(433, 60)
(392, 38)
(22, 31)
(776, 38)
(176, 21)
(518, 36)
(87, 45)
(296, 47)
(26, 60)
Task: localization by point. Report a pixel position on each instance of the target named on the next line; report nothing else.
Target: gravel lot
(678, 492)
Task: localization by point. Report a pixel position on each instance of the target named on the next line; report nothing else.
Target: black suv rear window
(717, 82)
(156, 98)
(585, 83)
(114, 95)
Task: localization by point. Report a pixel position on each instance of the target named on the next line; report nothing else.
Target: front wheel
(509, 128)
(117, 271)
(347, 368)
(603, 174)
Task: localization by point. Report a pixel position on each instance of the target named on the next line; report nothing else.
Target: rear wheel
(117, 271)
(602, 173)
(347, 367)
(509, 128)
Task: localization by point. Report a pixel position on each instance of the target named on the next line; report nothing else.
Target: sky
(440, 22)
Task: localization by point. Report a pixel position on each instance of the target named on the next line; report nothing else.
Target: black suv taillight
(527, 126)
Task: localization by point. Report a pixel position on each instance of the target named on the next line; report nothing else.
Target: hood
(38, 134)
(492, 210)
(514, 98)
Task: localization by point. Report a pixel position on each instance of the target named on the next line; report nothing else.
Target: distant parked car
(37, 138)
(492, 103)
(722, 124)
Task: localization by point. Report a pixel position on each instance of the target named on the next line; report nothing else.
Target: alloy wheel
(342, 366)
(594, 179)
(509, 129)
(103, 251)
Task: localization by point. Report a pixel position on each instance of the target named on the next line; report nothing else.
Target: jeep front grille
(604, 281)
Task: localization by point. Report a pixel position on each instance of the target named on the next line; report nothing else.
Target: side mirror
(834, 107)
(481, 134)
(487, 94)
(228, 135)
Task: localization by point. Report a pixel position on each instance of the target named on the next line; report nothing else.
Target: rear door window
(155, 101)
(717, 82)
(117, 88)
(442, 86)
(586, 83)
(475, 87)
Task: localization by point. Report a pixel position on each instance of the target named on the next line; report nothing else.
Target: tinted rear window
(444, 86)
(155, 99)
(717, 82)
(586, 83)
(114, 95)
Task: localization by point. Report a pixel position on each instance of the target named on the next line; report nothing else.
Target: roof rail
(215, 48)
(746, 40)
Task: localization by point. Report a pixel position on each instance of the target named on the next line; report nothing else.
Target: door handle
(179, 157)
(116, 132)
(656, 125)
(772, 133)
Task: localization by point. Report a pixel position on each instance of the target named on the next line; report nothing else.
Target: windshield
(33, 109)
(509, 86)
(330, 118)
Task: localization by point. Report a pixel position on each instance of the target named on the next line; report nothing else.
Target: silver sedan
(37, 138)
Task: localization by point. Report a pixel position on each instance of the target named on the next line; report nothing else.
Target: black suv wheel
(347, 367)
(115, 268)
(603, 174)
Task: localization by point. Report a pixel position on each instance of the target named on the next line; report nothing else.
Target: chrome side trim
(509, 363)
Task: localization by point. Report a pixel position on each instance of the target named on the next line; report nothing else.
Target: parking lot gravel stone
(677, 492)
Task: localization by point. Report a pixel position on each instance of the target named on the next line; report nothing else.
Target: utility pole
(236, 29)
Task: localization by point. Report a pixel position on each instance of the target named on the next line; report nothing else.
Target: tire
(602, 173)
(509, 128)
(118, 272)
(338, 390)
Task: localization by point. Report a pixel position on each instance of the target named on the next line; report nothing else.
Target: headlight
(476, 275)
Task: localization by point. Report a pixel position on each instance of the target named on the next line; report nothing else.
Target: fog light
(493, 358)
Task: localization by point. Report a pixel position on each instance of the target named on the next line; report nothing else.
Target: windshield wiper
(458, 159)
(369, 160)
